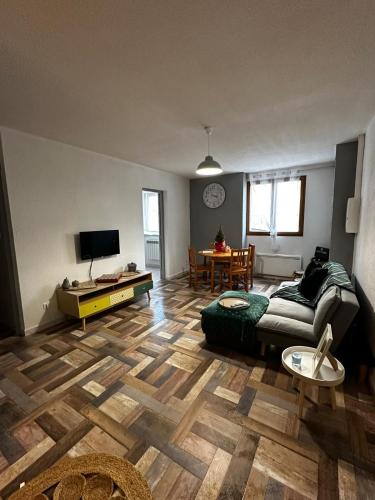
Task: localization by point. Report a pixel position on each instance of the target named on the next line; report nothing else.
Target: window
(276, 206)
(150, 212)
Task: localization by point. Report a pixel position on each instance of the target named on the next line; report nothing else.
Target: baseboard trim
(178, 275)
(50, 325)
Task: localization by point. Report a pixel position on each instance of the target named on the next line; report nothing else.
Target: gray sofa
(286, 323)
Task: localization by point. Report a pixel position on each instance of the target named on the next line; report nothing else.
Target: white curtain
(274, 177)
(269, 175)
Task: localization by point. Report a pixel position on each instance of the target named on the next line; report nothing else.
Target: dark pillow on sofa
(310, 268)
(310, 284)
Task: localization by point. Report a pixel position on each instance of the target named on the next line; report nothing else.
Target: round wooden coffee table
(327, 376)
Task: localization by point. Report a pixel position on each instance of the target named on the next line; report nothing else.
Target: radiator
(273, 264)
(152, 252)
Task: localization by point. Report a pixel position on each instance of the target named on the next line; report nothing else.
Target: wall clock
(214, 195)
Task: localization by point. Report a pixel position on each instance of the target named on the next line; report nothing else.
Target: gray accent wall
(342, 243)
(204, 222)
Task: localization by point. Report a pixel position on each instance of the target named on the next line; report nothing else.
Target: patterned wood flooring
(198, 422)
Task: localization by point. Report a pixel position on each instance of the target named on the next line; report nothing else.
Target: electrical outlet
(45, 306)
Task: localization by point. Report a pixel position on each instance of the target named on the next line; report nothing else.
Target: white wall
(318, 218)
(364, 254)
(56, 190)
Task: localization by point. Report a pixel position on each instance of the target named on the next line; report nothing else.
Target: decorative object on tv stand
(84, 285)
(132, 267)
(75, 283)
(220, 241)
(209, 166)
(66, 284)
(109, 278)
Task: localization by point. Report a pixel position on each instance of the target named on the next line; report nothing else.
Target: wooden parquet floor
(197, 421)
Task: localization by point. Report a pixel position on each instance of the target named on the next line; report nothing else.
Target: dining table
(215, 257)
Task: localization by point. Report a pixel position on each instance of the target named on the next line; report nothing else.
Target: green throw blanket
(227, 322)
(336, 276)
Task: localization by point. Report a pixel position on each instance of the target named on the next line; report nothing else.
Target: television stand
(82, 304)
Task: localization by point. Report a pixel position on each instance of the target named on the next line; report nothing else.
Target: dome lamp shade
(209, 166)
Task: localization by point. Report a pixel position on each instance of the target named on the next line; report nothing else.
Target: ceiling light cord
(208, 132)
(209, 166)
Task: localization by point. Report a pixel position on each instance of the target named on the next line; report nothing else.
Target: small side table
(331, 372)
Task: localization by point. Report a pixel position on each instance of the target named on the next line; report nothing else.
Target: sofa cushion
(288, 327)
(313, 264)
(325, 309)
(289, 309)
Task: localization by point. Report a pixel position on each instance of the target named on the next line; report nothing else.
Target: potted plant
(220, 241)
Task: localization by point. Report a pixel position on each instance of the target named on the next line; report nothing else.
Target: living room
(103, 101)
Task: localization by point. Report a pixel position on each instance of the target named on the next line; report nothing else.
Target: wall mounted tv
(99, 244)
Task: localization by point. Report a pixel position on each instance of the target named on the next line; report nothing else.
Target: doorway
(11, 317)
(153, 232)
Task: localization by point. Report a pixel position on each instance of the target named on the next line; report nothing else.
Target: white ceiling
(281, 81)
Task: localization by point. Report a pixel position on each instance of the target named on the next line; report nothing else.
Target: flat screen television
(99, 244)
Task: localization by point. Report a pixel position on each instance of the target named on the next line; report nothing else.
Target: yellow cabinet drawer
(93, 306)
(118, 297)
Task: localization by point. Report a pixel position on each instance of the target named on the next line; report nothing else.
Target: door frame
(161, 228)
(10, 253)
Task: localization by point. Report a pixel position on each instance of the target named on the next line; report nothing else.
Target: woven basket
(70, 488)
(98, 487)
(101, 469)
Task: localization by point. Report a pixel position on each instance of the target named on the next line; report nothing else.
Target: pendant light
(209, 166)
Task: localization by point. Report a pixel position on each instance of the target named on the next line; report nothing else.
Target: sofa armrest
(343, 316)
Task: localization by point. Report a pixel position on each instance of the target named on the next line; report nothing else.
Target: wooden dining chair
(240, 268)
(206, 260)
(197, 272)
(219, 266)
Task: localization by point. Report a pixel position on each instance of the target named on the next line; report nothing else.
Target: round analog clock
(213, 195)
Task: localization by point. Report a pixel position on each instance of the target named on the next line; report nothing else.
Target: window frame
(302, 178)
(146, 195)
